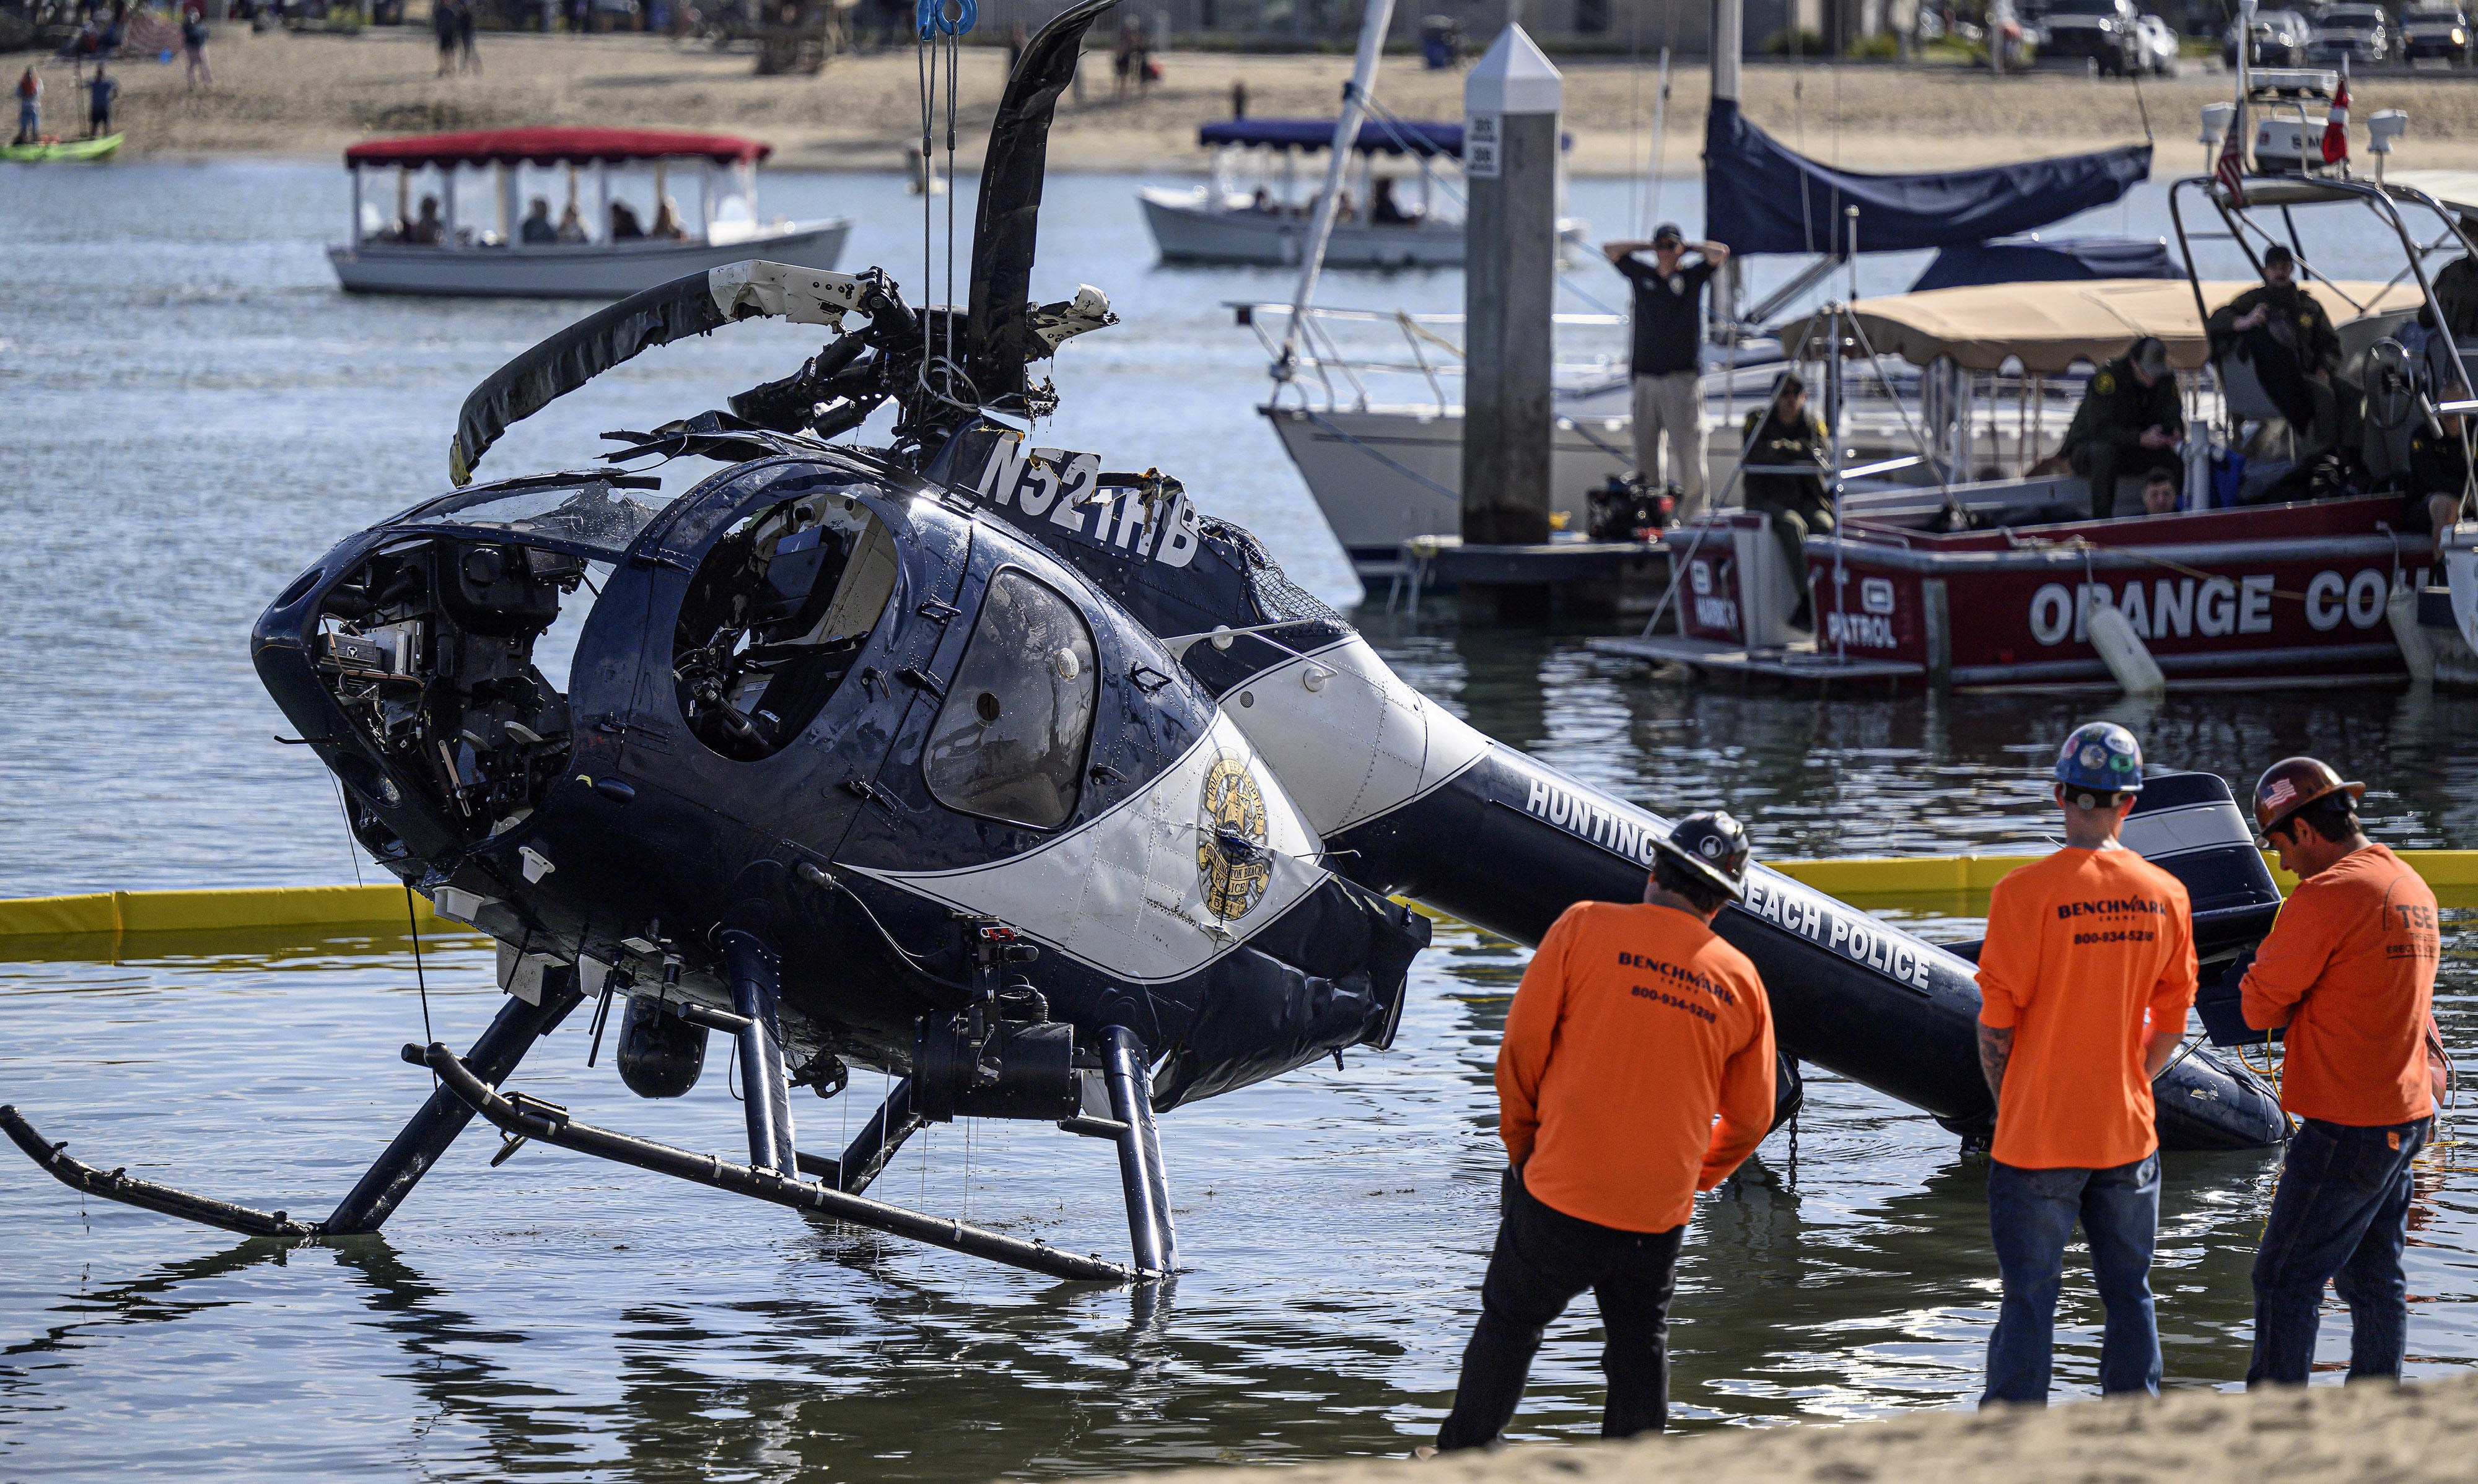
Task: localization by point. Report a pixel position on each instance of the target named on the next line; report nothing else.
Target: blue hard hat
(2103, 757)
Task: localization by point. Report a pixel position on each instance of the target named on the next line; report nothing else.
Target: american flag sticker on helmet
(2281, 791)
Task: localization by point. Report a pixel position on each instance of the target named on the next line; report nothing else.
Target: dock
(1581, 578)
(1800, 666)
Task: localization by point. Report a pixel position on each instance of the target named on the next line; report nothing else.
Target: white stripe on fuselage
(1124, 893)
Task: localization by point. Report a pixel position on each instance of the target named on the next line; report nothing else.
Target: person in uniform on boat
(624, 225)
(2290, 340)
(537, 227)
(1667, 354)
(2127, 425)
(1618, 1103)
(2456, 288)
(667, 221)
(1782, 438)
(426, 230)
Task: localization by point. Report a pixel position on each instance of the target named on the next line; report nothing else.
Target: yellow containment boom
(1950, 881)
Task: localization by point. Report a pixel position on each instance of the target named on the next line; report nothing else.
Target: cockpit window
(1009, 741)
(596, 515)
(775, 617)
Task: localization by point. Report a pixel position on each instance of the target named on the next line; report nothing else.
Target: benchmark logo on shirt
(1680, 975)
(2112, 907)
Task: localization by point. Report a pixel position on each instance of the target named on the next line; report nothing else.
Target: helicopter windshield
(774, 619)
(1009, 741)
(594, 515)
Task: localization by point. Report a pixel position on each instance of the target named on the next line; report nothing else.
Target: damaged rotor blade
(711, 1170)
(1001, 339)
(694, 304)
(116, 1185)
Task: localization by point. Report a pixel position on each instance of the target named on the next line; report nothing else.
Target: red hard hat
(2291, 783)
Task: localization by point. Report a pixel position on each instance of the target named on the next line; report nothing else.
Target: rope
(2086, 545)
(420, 980)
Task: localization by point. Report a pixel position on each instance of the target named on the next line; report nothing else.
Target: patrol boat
(2258, 575)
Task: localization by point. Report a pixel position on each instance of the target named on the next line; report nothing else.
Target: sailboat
(1387, 471)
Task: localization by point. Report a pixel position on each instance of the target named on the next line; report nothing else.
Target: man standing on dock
(2084, 982)
(1668, 350)
(2349, 968)
(1635, 1029)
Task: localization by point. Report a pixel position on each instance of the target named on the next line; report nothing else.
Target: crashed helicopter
(1019, 778)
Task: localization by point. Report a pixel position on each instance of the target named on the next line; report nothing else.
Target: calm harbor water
(195, 413)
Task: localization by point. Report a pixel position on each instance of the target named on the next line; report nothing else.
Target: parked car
(2358, 32)
(2108, 32)
(2159, 46)
(2279, 41)
(2436, 31)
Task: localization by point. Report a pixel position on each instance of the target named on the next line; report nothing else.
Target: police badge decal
(1231, 862)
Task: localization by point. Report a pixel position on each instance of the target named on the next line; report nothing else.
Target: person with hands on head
(2085, 983)
(1637, 1070)
(2349, 968)
(1668, 364)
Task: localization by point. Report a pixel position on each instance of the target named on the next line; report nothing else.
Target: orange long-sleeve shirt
(2349, 968)
(1635, 1028)
(2088, 952)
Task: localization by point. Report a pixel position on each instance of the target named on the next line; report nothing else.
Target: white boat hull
(590, 270)
(1188, 228)
(1388, 474)
(1371, 470)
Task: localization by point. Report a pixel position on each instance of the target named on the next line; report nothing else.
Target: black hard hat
(2291, 783)
(1714, 847)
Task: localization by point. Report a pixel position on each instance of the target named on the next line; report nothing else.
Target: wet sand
(2325, 1435)
(312, 94)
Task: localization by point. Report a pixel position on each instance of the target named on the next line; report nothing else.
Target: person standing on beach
(442, 29)
(30, 107)
(2084, 982)
(193, 46)
(100, 91)
(1637, 1070)
(467, 57)
(2349, 968)
(1668, 355)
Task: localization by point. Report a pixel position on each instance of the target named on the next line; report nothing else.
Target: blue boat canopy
(1376, 136)
(1763, 197)
(2059, 259)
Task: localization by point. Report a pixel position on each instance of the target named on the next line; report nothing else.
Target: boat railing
(1326, 374)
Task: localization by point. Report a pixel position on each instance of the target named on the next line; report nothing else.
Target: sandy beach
(2322, 1435)
(312, 94)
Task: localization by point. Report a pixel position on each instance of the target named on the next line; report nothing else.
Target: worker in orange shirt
(1635, 1027)
(2349, 968)
(2084, 982)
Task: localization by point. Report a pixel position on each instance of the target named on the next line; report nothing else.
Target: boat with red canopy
(565, 213)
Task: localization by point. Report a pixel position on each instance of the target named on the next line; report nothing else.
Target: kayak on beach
(62, 149)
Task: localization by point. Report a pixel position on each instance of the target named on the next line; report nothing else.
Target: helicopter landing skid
(382, 1188)
(524, 1117)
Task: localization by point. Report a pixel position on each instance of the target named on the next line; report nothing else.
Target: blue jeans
(2340, 1216)
(2031, 1214)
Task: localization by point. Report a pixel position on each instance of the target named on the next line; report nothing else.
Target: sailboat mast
(1373, 26)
